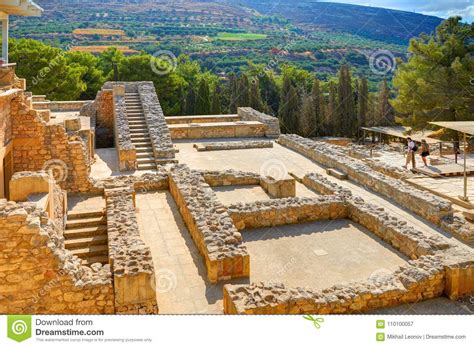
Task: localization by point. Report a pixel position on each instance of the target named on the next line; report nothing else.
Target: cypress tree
(307, 115)
(203, 100)
(385, 113)
(362, 102)
(233, 93)
(255, 98)
(332, 112)
(243, 91)
(346, 114)
(190, 102)
(216, 101)
(317, 117)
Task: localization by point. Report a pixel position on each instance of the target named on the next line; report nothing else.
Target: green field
(240, 36)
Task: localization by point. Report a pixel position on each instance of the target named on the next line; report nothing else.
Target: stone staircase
(86, 236)
(139, 132)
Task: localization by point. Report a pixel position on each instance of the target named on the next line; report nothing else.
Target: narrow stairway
(86, 236)
(139, 131)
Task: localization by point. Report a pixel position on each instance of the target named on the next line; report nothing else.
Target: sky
(439, 8)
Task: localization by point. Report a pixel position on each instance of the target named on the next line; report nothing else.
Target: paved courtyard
(318, 254)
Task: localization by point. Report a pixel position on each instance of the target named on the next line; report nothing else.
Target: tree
(385, 115)
(47, 70)
(255, 97)
(216, 101)
(307, 115)
(332, 116)
(346, 115)
(317, 116)
(243, 91)
(203, 99)
(109, 59)
(436, 83)
(190, 102)
(362, 103)
(288, 107)
(92, 76)
(233, 93)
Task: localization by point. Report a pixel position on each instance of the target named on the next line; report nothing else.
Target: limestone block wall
(158, 180)
(209, 224)
(232, 145)
(130, 259)
(279, 188)
(420, 202)
(160, 135)
(272, 123)
(5, 116)
(285, 211)
(37, 274)
(419, 280)
(65, 106)
(41, 146)
(230, 178)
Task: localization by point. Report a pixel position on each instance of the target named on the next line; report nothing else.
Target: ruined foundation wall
(41, 146)
(210, 225)
(422, 203)
(130, 259)
(272, 123)
(419, 280)
(38, 276)
(269, 213)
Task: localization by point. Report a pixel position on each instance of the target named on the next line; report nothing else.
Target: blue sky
(440, 8)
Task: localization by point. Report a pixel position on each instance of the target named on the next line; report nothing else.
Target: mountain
(371, 22)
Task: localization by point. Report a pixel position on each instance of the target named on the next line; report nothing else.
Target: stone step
(147, 154)
(91, 251)
(102, 259)
(146, 167)
(85, 242)
(142, 144)
(166, 161)
(144, 149)
(141, 130)
(85, 222)
(137, 124)
(147, 160)
(85, 232)
(337, 174)
(134, 114)
(88, 214)
(140, 137)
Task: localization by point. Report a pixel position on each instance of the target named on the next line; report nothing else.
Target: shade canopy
(466, 127)
(402, 132)
(20, 8)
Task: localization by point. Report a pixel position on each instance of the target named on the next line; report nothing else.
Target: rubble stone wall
(230, 178)
(39, 276)
(420, 202)
(123, 138)
(65, 106)
(130, 259)
(419, 280)
(272, 123)
(158, 129)
(232, 145)
(5, 117)
(209, 224)
(40, 146)
(275, 212)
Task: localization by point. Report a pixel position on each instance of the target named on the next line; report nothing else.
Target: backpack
(415, 148)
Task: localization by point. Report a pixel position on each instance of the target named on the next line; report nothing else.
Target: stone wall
(41, 146)
(275, 212)
(101, 112)
(210, 225)
(158, 180)
(160, 135)
(130, 259)
(5, 116)
(37, 274)
(230, 178)
(231, 145)
(419, 280)
(123, 138)
(66, 106)
(272, 123)
(217, 130)
(420, 202)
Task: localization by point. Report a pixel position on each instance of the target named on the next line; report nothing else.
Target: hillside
(223, 35)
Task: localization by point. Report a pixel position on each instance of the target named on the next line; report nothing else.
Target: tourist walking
(411, 150)
(425, 151)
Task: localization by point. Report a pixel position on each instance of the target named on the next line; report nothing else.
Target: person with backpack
(425, 151)
(412, 148)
